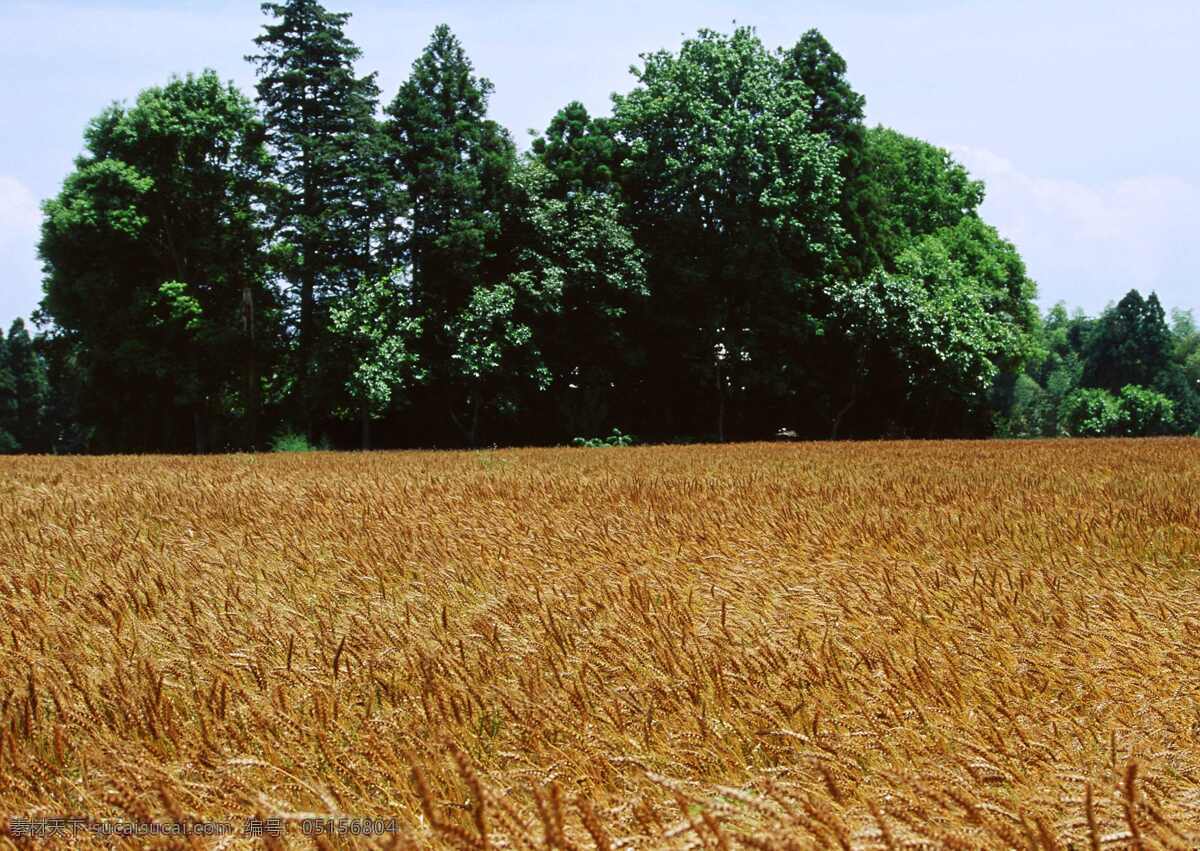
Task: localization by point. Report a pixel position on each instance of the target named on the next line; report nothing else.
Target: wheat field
(844, 645)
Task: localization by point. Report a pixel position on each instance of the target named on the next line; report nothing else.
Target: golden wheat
(858, 646)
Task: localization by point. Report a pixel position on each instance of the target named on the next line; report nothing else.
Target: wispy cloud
(19, 213)
(1086, 243)
(20, 218)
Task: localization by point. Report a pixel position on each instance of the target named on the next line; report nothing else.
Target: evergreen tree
(1131, 344)
(836, 110)
(26, 373)
(8, 401)
(320, 127)
(456, 164)
(584, 154)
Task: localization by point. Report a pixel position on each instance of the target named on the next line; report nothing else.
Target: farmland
(855, 645)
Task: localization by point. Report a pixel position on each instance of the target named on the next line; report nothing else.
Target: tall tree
(30, 388)
(456, 164)
(153, 260)
(733, 199)
(8, 402)
(909, 188)
(320, 127)
(1131, 344)
(836, 110)
(581, 275)
(582, 153)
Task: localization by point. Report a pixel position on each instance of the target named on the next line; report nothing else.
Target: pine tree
(320, 125)
(30, 389)
(456, 164)
(8, 401)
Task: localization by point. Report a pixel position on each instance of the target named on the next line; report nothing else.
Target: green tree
(328, 157)
(1144, 412)
(930, 339)
(581, 274)
(1130, 344)
(379, 330)
(836, 110)
(908, 189)
(8, 402)
(582, 153)
(456, 164)
(733, 200)
(1089, 412)
(154, 269)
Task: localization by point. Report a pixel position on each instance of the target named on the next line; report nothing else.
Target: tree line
(731, 252)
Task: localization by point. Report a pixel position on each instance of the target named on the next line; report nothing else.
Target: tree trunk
(252, 400)
(365, 414)
(473, 439)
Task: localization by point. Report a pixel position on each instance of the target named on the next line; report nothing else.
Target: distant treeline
(730, 253)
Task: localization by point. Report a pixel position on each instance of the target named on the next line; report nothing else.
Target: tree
(929, 340)
(1089, 412)
(1144, 412)
(836, 110)
(908, 189)
(733, 199)
(8, 402)
(154, 267)
(379, 330)
(1131, 344)
(582, 153)
(581, 274)
(456, 164)
(320, 127)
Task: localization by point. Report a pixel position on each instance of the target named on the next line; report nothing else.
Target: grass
(868, 646)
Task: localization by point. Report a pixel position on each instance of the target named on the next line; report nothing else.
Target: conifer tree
(456, 164)
(320, 126)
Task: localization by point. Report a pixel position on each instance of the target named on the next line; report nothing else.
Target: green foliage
(328, 154)
(152, 254)
(729, 252)
(735, 200)
(944, 325)
(377, 325)
(584, 154)
(909, 188)
(457, 164)
(290, 441)
(1089, 412)
(1144, 412)
(616, 438)
(1130, 344)
(1027, 412)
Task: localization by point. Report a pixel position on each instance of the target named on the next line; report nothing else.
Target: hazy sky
(1080, 116)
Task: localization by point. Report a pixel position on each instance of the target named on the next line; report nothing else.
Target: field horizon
(853, 644)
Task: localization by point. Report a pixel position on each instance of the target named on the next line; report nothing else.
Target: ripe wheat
(858, 646)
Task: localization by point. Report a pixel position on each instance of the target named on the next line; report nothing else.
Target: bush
(1089, 412)
(1027, 412)
(614, 439)
(290, 441)
(1145, 412)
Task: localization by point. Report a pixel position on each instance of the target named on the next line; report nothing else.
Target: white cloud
(1087, 244)
(20, 218)
(19, 212)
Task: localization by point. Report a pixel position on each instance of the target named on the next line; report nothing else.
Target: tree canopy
(729, 252)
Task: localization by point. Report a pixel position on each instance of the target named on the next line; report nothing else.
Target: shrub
(290, 441)
(1089, 412)
(1145, 412)
(617, 438)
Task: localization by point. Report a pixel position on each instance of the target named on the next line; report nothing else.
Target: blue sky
(1080, 116)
